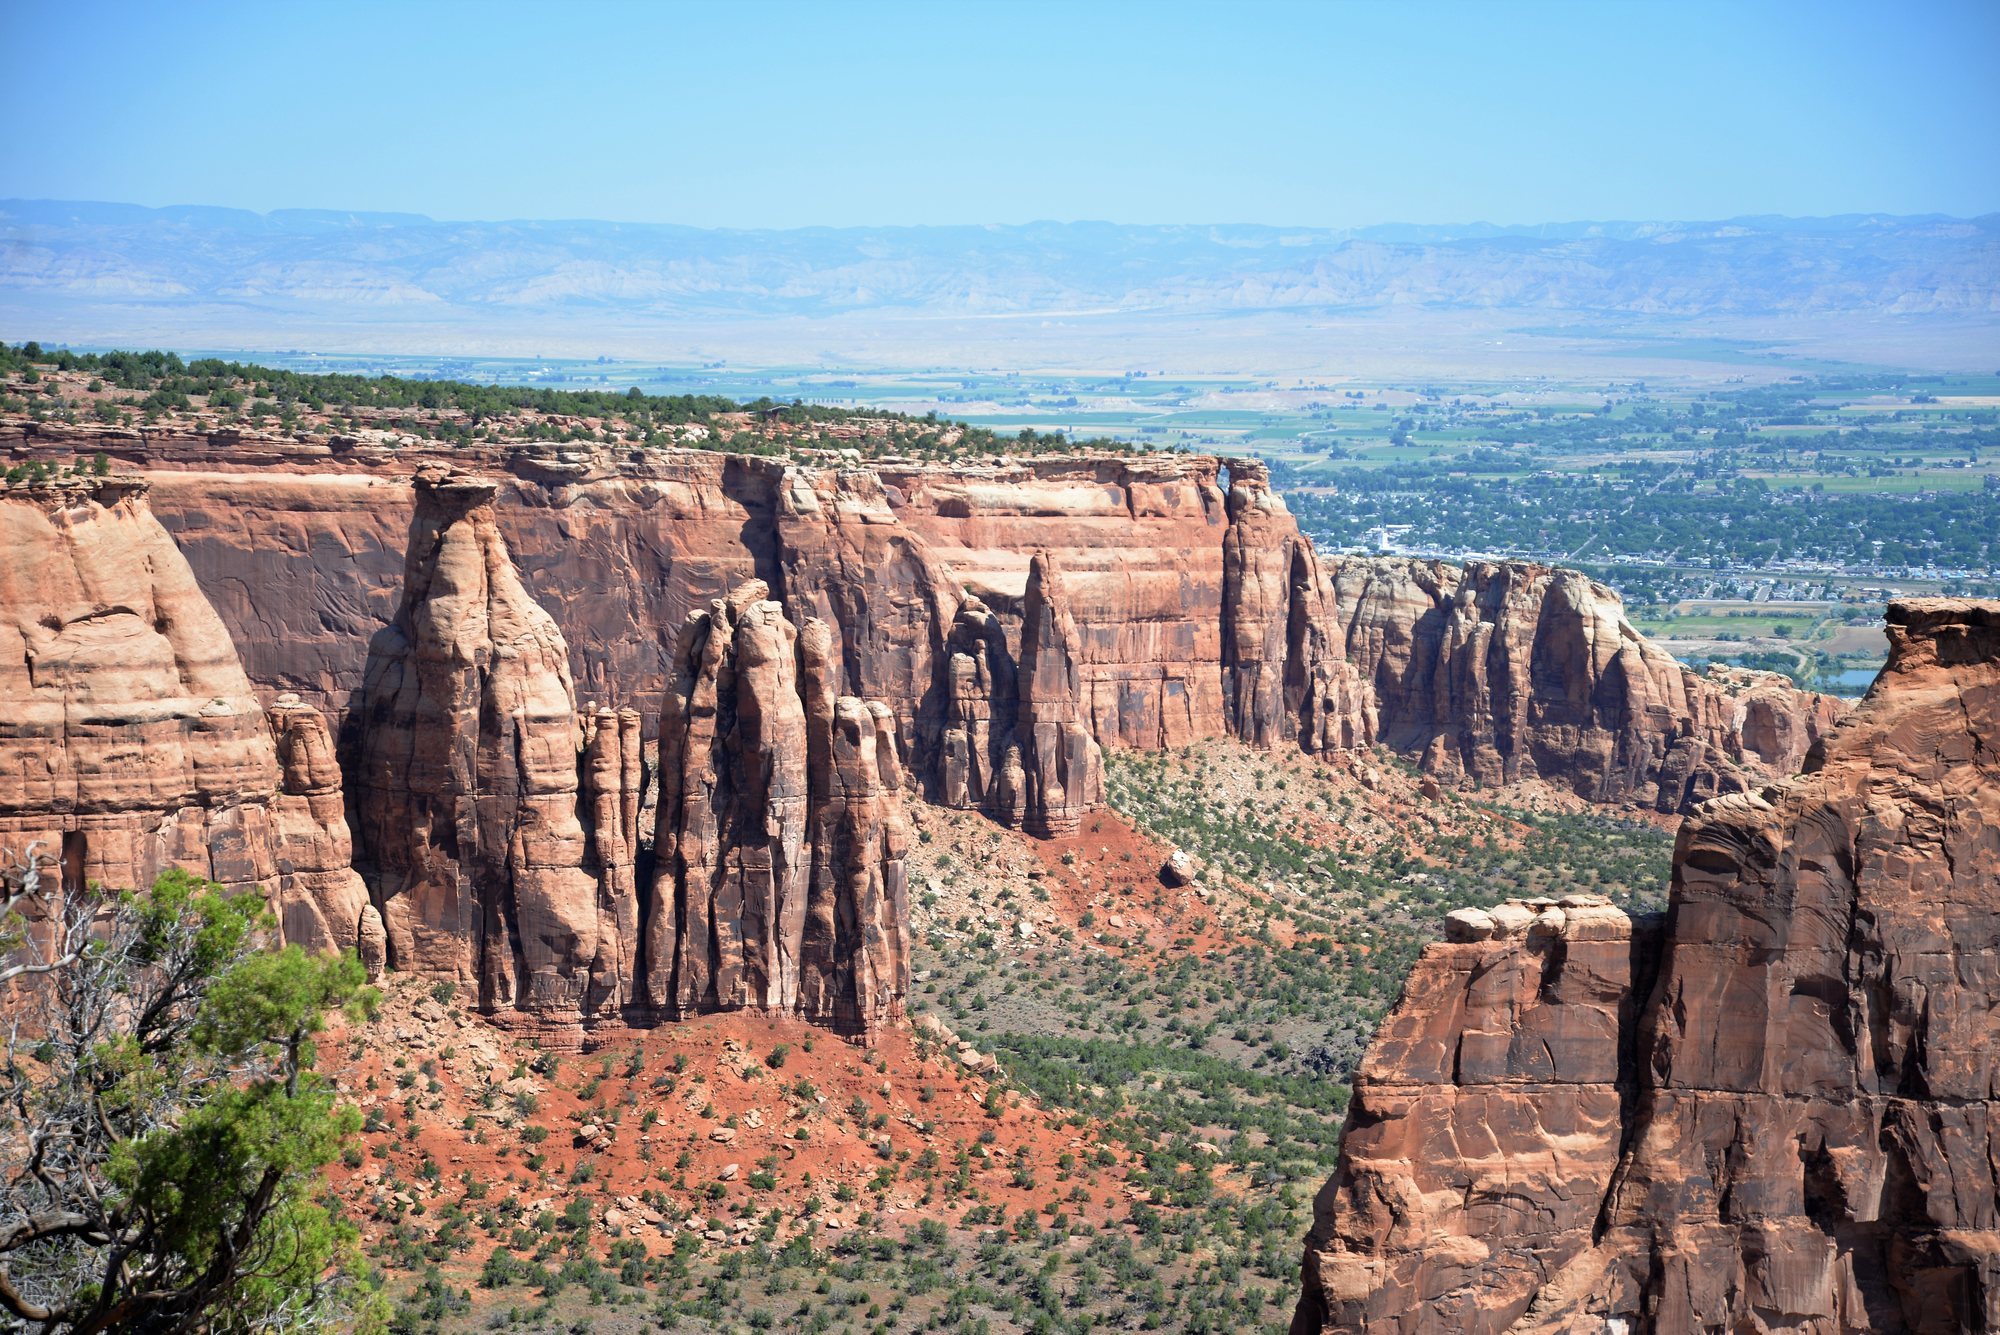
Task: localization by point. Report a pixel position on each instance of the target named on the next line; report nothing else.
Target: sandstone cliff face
(469, 787)
(322, 903)
(1200, 610)
(303, 552)
(1806, 1119)
(1064, 769)
(844, 558)
(1139, 541)
(130, 741)
(779, 850)
(1285, 676)
(1500, 672)
(978, 764)
(1485, 1122)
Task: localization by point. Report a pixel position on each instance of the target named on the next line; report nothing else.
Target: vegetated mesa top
(156, 390)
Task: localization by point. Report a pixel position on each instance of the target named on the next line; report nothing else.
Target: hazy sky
(779, 115)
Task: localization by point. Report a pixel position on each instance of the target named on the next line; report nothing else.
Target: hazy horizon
(1023, 184)
(1452, 226)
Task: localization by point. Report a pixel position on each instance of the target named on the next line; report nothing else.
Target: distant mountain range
(80, 257)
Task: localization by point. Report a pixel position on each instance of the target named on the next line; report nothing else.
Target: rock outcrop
(1015, 741)
(322, 903)
(1497, 672)
(1139, 541)
(469, 788)
(780, 883)
(1201, 611)
(845, 559)
(1063, 766)
(1285, 677)
(978, 764)
(130, 740)
(1806, 1122)
(1485, 1123)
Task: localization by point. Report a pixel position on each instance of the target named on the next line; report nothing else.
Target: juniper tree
(162, 1130)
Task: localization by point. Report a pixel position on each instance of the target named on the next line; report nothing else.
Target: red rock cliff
(130, 740)
(780, 884)
(1199, 609)
(469, 786)
(1486, 1121)
(1806, 1123)
(1503, 671)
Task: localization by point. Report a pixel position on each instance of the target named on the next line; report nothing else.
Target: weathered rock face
(611, 783)
(469, 789)
(1807, 1120)
(323, 903)
(1485, 1122)
(856, 954)
(1500, 672)
(130, 741)
(1285, 677)
(844, 558)
(1816, 1136)
(1198, 613)
(1139, 541)
(779, 850)
(1064, 769)
(978, 764)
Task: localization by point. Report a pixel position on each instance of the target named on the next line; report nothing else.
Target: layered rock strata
(1200, 609)
(130, 740)
(780, 883)
(1805, 1133)
(1139, 539)
(469, 785)
(1497, 672)
(323, 904)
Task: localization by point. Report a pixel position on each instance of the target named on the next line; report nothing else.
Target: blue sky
(780, 115)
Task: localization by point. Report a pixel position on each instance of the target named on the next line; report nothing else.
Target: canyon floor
(1111, 1109)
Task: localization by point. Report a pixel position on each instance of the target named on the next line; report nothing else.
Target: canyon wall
(780, 882)
(130, 739)
(501, 829)
(1199, 609)
(1798, 1130)
(988, 629)
(468, 787)
(1497, 672)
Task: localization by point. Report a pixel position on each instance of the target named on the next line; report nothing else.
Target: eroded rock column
(1485, 1123)
(469, 787)
(322, 903)
(1064, 768)
(779, 882)
(979, 759)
